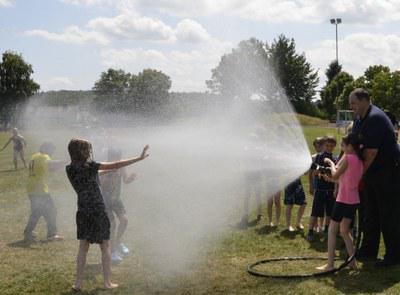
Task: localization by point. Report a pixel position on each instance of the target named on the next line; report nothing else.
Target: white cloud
(71, 35)
(357, 52)
(310, 11)
(58, 83)
(188, 70)
(190, 31)
(131, 26)
(87, 2)
(6, 3)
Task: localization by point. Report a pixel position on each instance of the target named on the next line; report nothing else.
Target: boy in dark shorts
(324, 190)
(111, 184)
(294, 195)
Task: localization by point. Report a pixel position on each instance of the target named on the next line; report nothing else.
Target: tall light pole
(336, 21)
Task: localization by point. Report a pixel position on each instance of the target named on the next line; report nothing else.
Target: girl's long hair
(79, 150)
(353, 140)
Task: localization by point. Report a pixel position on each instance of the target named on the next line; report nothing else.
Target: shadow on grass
(286, 233)
(94, 291)
(8, 171)
(22, 244)
(320, 244)
(242, 225)
(367, 280)
(265, 230)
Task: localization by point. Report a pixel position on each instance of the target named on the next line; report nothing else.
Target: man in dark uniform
(381, 200)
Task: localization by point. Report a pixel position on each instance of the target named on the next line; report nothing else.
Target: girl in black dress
(93, 225)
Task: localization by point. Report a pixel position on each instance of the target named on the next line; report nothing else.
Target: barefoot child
(348, 172)
(294, 195)
(275, 199)
(19, 146)
(93, 225)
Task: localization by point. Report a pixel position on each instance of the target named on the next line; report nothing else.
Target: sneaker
(123, 249)
(115, 258)
(55, 238)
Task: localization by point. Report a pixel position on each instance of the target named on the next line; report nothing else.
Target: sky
(70, 42)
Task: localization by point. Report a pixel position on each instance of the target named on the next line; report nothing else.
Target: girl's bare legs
(15, 160)
(269, 211)
(21, 154)
(348, 239)
(80, 263)
(275, 199)
(320, 224)
(106, 262)
(277, 202)
(258, 200)
(332, 232)
(123, 223)
(289, 217)
(300, 213)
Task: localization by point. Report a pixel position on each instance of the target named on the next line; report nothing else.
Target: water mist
(191, 188)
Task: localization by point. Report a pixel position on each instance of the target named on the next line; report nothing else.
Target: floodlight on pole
(336, 21)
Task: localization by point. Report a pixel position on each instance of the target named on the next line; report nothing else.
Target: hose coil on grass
(251, 268)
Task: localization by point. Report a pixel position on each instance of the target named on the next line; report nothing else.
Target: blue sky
(70, 42)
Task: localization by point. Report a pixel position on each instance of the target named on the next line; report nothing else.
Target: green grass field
(48, 268)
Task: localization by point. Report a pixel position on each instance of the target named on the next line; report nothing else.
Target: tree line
(268, 69)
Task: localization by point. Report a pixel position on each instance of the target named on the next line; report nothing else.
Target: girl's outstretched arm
(339, 170)
(123, 163)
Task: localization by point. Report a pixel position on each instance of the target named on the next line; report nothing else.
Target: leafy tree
(149, 89)
(111, 89)
(16, 85)
(248, 70)
(372, 71)
(333, 69)
(120, 91)
(294, 73)
(331, 92)
(242, 72)
(343, 99)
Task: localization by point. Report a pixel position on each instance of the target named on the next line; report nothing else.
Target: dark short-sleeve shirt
(85, 181)
(376, 131)
(320, 183)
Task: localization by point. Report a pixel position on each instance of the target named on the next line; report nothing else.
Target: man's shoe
(310, 237)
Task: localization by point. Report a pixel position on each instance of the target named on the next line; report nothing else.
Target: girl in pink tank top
(347, 173)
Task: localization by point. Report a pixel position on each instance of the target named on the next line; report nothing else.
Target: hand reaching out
(144, 152)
